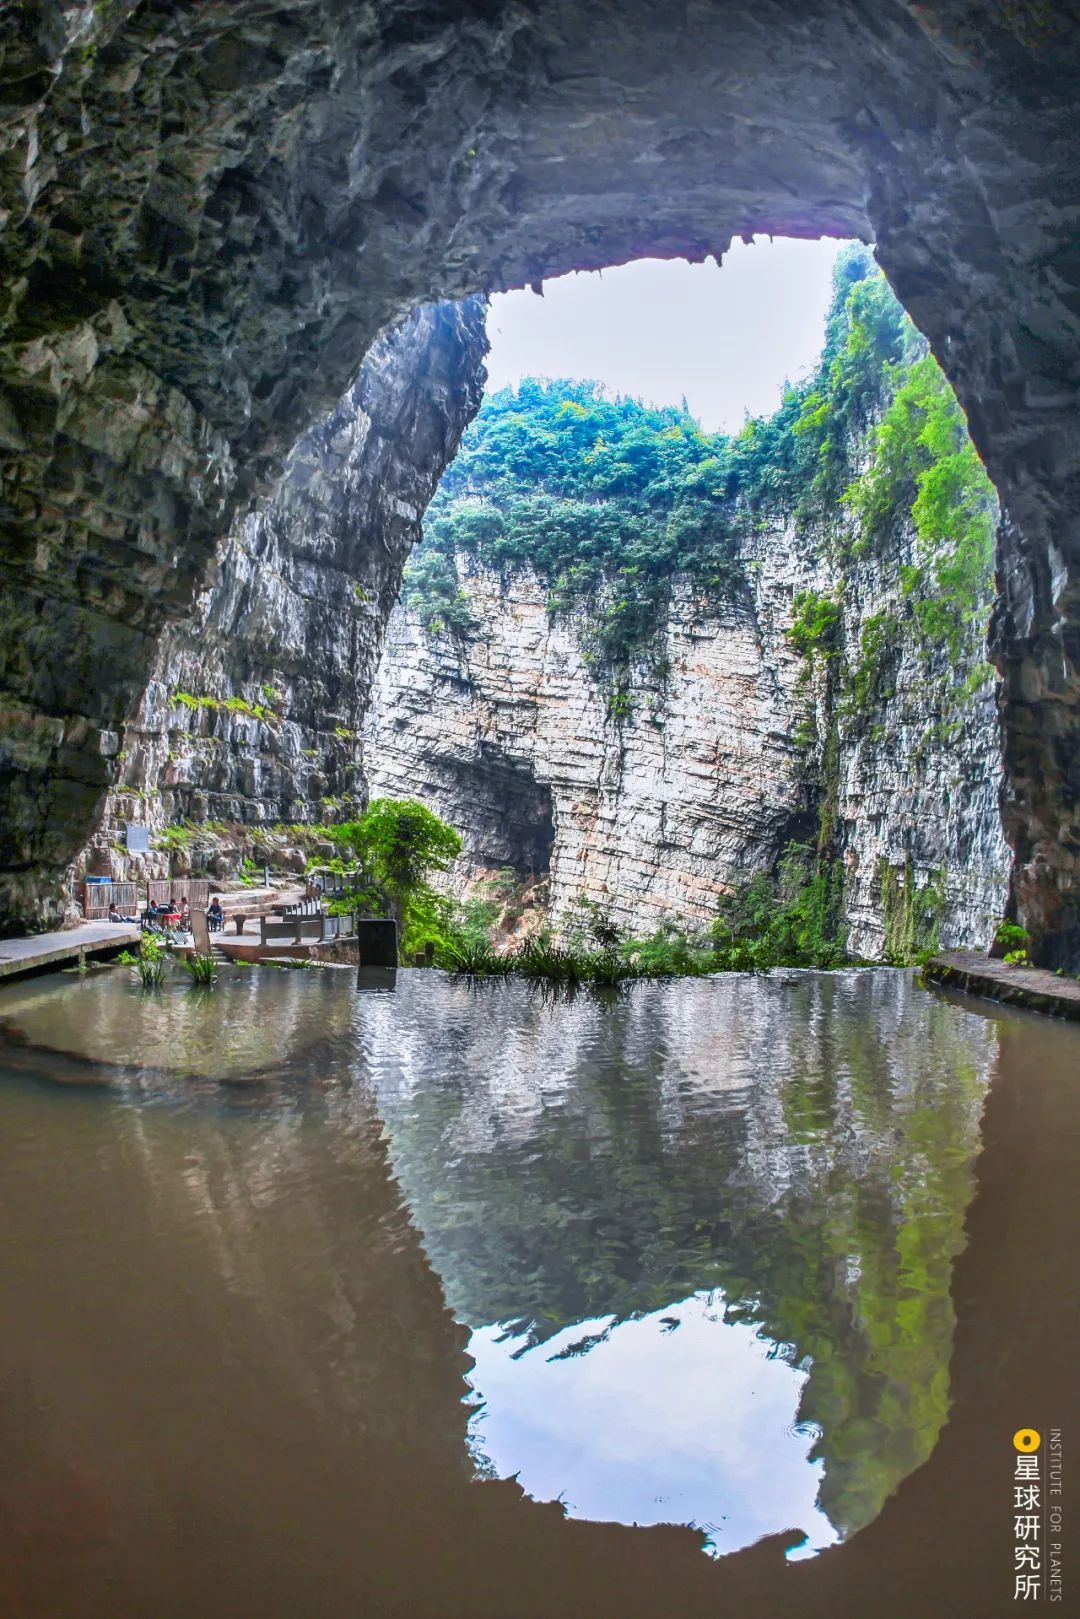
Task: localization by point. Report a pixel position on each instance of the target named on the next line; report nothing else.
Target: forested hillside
(610, 499)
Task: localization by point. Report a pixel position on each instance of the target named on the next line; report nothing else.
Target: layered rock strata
(210, 210)
(255, 705)
(662, 793)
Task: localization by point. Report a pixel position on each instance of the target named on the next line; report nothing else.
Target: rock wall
(254, 708)
(210, 211)
(655, 797)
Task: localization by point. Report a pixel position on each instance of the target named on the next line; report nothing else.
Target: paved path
(49, 949)
(1031, 987)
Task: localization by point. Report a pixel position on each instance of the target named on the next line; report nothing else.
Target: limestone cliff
(653, 797)
(254, 708)
(210, 210)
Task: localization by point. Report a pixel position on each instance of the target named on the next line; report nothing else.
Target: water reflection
(799, 1147)
(701, 1239)
(675, 1416)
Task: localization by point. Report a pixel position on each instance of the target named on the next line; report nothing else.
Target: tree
(403, 843)
(399, 845)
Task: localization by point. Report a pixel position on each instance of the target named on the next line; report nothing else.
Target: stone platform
(1031, 987)
(54, 949)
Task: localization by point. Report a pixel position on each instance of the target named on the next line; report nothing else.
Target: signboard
(138, 839)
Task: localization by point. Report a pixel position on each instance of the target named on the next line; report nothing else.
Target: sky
(727, 338)
(654, 1425)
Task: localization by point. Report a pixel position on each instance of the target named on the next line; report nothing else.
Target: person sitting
(185, 915)
(115, 914)
(215, 916)
(154, 917)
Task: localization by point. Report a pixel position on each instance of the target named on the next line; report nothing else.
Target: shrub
(1013, 941)
(398, 844)
(671, 953)
(786, 918)
(475, 957)
(912, 914)
(561, 964)
(815, 625)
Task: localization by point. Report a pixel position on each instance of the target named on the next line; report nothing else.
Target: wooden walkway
(1030, 987)
(54, 949)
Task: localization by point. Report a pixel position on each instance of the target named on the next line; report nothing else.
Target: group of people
(169, 918)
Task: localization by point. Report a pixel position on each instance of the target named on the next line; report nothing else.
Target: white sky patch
(725, 338)
(694, 1423)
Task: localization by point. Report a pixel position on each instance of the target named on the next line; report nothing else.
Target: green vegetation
(924, 463)
(1013, 941)
(790, 918)
(912, 914)
(203, 969)
(541, 958)
(880, 634)
(249, 874)
(182, 834)
(150, 965)
(610, 499)
(620, 703)
(492, 902)
(476, 957)
(816, 622)
(866, 332)
(395, 848)
(229, 705)
(606, 499)
(432, 588)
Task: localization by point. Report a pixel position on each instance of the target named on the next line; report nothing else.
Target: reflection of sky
(657, 1423)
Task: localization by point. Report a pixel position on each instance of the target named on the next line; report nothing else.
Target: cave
(212, 212)
(505, 814)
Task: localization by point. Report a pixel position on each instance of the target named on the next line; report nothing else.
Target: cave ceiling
(210, 210)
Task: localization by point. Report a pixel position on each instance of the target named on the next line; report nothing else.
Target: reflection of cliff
(236, 1360)
(804, 1145)
(250, 1027)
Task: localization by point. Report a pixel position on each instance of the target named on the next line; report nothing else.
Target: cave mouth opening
(778, 364)
(649, 514)
(514, 812)
(405, 154)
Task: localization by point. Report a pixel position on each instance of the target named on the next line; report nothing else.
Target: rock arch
(212, 209)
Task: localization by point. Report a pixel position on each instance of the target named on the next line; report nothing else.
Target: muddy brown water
(326, 1296)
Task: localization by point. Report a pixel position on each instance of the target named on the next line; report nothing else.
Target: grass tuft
(203, 969)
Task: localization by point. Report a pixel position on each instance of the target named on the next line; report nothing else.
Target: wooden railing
(305, 927)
